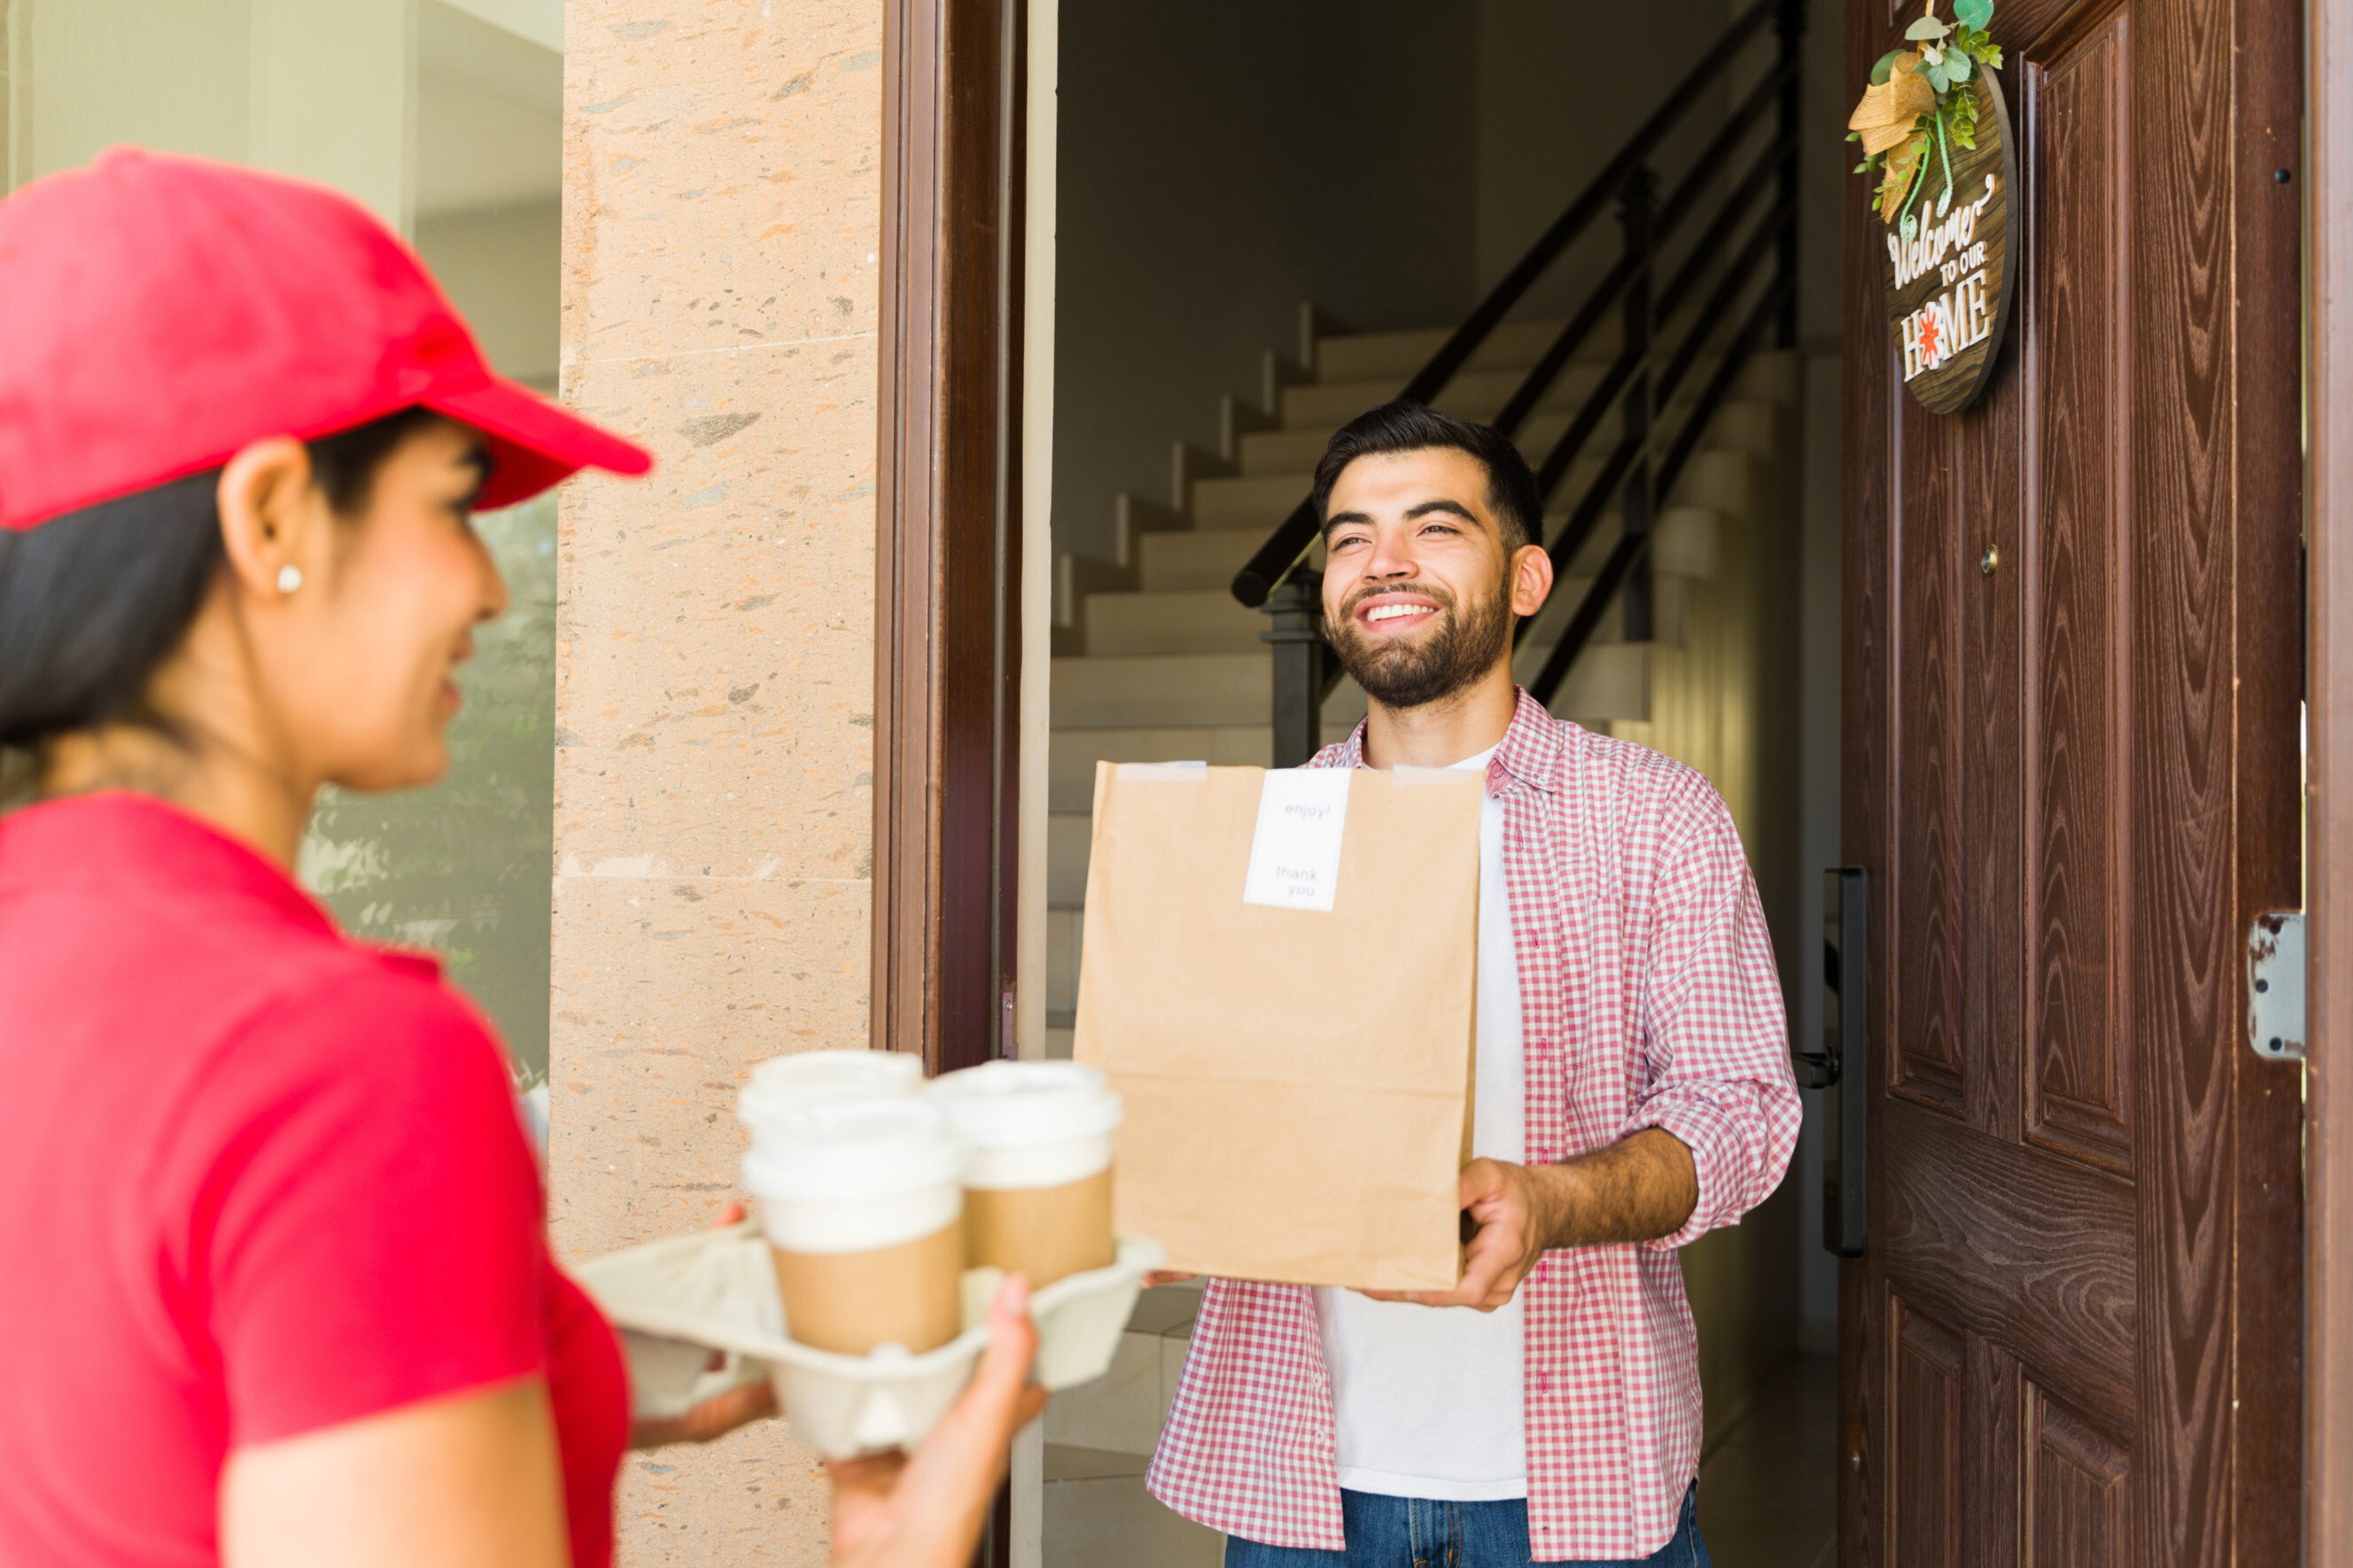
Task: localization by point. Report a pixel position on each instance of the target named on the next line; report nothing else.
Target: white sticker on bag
(1295, 861)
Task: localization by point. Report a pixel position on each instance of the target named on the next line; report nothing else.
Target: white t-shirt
(1428, 1399)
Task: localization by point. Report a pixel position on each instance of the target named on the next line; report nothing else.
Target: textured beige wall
(722, 198)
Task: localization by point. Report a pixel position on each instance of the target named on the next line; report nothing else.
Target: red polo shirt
(256, 1179)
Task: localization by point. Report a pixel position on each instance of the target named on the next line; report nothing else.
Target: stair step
(1395, 356)
(1187, 620)
(1473, 395)
(1257, 502)
(1261, 501)
(1683, 542)
(1199, 558)
(1125, 691)
(1670, 612)
(1269, 452)
(1610, 681)
(1724, 479)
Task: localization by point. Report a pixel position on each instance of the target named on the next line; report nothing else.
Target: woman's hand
(721, 1413)
(893, 1511)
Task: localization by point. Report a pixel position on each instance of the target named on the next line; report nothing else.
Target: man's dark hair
(1405, 425)
(92, 602)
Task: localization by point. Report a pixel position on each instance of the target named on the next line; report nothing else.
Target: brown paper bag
(1298, 1082)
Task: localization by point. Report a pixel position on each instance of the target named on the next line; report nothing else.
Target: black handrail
(1586, 619)
(1638, 386)
(1297, 533)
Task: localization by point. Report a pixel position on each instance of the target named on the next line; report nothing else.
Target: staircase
(1156, 661)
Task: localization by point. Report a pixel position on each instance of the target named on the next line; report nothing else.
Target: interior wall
(1221, 164)
(1560, 87)
(1827, 188)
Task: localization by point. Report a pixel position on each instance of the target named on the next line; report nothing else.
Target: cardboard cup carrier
(862, 1204)
(1038, 1175)
(840, 1304)
(716, 1289)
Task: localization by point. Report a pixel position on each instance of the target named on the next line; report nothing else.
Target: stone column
(714, 839)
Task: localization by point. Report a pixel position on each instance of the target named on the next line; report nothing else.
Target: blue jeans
(1404, 1533)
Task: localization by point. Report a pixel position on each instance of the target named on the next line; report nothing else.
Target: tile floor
(1099, 1440)
(1768, 1489)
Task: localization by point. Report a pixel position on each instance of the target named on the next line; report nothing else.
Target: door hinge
(2276, 985)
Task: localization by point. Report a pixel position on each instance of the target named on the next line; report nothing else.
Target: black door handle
(1842, 1067)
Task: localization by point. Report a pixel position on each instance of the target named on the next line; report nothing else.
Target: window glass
(446, 118)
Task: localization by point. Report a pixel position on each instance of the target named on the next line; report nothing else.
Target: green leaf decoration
(1973, 13)
(1956, 67)
(1939, 78)
(1886, 64)
(1927, 28)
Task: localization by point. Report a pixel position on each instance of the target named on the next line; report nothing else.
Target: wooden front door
(2073, 665)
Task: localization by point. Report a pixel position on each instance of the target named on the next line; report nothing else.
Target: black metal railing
(1749, 275)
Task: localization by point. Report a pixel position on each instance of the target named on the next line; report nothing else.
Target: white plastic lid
(853, 1149)
(1030, 1125)
(782, 1085)
(1007, 1105)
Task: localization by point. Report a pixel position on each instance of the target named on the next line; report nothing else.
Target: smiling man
(1632, 1092)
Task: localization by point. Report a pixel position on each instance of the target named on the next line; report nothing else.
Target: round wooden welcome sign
(1950, 279)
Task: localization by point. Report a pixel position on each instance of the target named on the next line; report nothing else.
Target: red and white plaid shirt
(1649, 997)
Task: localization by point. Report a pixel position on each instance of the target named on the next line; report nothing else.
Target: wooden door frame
(2329, 870)
(947, 632)
(2294, 1413)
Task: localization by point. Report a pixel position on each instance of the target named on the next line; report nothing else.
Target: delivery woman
(274, 1280)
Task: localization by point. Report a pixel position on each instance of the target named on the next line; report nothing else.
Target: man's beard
(1396, 672)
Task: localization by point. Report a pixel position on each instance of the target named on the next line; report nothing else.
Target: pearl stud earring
(290, 577)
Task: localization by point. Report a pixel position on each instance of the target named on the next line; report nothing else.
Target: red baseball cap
(158, 313)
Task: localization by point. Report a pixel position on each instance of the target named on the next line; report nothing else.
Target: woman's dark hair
(1405, 425)
(92, 602)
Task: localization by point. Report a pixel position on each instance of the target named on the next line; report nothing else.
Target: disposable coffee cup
(862, 1204)
(783, 1085)
(1037, 1182)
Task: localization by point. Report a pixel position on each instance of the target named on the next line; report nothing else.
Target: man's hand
(1642, 1186)
(892, 1511)
(1515, 1209)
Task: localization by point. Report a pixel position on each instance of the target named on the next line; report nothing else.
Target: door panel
(2069, 765)
(2075, 367)
(2077, 1489)
(1928, 1440)
(2033, 1255)
(1926, 1064)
